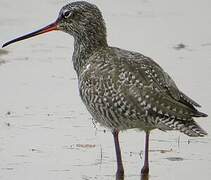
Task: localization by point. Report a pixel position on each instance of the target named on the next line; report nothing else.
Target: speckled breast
(105, 100)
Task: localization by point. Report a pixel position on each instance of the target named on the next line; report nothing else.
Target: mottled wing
(153, 90)
(164, 82)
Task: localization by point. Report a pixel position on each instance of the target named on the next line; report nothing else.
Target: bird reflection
(142, 176)
(119, 177)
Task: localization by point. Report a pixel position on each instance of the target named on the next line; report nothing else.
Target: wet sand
(46, 132)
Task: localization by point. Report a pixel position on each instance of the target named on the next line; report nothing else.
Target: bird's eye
(67, 14)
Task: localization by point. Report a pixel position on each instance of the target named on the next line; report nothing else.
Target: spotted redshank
(121, 89)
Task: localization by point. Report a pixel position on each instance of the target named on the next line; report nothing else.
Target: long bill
(50, 27)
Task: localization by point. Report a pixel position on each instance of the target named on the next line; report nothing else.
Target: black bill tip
(5, 44)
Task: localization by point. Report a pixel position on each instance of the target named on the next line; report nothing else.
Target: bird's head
(80, 19)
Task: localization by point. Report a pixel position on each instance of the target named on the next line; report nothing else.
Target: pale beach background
(45, 131)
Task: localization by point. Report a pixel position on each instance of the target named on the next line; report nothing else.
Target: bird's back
(124, 89)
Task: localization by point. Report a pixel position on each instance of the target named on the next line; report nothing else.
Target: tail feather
(190, 128)
(187, 100)
(201, 114)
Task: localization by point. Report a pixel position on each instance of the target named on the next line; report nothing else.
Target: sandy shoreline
(46, 132)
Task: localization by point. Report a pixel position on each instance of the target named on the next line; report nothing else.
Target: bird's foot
(145, 170)
(120, 174)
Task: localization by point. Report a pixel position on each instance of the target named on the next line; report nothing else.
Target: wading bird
(121, 89)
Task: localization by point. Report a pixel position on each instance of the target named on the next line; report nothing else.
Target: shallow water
(46, 132)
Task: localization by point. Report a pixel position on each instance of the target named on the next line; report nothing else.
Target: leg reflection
(144, 177)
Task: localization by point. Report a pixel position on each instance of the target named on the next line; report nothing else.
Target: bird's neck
(84, 47)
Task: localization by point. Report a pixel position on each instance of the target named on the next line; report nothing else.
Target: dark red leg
(120, 169)
(145, 169)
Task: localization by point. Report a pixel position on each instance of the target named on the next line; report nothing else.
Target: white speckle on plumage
(139, 99)
(148, 106)
(168, 107)
(166, 114)
(147, 96)
(154, 109)
(174, 109)
(160, 112)
(143, 103)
